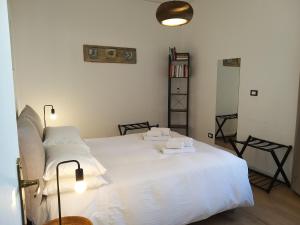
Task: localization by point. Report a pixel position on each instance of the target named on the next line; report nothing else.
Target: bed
(145, 187)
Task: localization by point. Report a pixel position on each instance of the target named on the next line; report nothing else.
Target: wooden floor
(220, 142)
(280, 207)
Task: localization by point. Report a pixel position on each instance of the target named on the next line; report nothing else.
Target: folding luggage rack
(123, 128)
(221, 120)
(258, 179)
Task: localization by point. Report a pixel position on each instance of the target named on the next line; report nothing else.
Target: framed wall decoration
(236, 62)
(108, 54)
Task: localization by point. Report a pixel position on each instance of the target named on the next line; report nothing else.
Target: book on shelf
(179, 64)
(182, 56)
(172, 53)
(178, 56)
(179, 71)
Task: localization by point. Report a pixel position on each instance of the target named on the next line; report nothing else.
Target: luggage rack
(262, 181)
(123, 128)
(224, 119)
(258, 179)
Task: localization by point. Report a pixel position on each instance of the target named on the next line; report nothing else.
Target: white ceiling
(160, 1)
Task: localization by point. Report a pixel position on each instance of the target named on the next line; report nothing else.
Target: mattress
(147, 187)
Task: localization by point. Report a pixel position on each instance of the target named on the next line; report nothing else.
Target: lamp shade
(53, 115)
(174, 13)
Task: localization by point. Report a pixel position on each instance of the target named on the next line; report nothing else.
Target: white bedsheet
(150, 188)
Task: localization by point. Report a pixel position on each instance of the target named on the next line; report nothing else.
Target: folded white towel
(161, 138)
(177, 151)
(164, 131)
(188, 142)
(153, 133)
(177, 144)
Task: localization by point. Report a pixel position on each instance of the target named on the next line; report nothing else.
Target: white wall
(9, 197)
(48, 38)
(227, 102)
(265, 34)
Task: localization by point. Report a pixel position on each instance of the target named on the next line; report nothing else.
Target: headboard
(32, 159)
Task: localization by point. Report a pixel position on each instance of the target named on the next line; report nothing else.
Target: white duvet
(150, 188)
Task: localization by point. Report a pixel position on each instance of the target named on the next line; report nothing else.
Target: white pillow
(70, 148)
(58, 153)
(67, 185)
(63, 135)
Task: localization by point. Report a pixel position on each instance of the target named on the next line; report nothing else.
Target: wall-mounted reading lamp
(52, 114)
(24, 184)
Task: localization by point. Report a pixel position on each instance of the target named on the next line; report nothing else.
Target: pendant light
(174, 13)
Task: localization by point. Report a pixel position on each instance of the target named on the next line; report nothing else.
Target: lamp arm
(29, 183)
(26, 183)
(57, 181)
(45, 124)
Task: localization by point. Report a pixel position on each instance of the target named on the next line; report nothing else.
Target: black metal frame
(52, 112)
(170, 94)
(79, 176)
(224, 118)
(256, 178)
(25, 184)
(19, 171)
(123, 128)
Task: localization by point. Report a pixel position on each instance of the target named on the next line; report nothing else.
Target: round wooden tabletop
(70, 220)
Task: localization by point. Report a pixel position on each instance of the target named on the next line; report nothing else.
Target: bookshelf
(178, 91)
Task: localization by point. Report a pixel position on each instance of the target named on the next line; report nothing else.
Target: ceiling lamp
(174, 13)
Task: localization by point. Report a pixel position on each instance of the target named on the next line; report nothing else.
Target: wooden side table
(71, 220)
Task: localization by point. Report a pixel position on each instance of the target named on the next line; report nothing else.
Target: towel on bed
(153, 133)
(188, 142)
(165, 150)
(164, 131)
(174, 144)
(160, 138)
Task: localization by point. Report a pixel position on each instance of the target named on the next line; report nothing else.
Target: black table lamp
(79, 185)
(52, 115)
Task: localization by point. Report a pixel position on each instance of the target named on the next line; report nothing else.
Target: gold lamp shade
(174, 13)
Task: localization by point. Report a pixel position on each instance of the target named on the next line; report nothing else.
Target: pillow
(67, 185)
(70, 148)
(63, 135)
(32, 155)
(30, 114)
(58, 153)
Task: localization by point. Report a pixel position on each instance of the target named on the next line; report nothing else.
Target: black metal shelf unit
(178, 92)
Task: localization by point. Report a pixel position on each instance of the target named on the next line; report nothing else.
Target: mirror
(228, 83)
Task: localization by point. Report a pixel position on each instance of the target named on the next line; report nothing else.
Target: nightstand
(71, 220)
